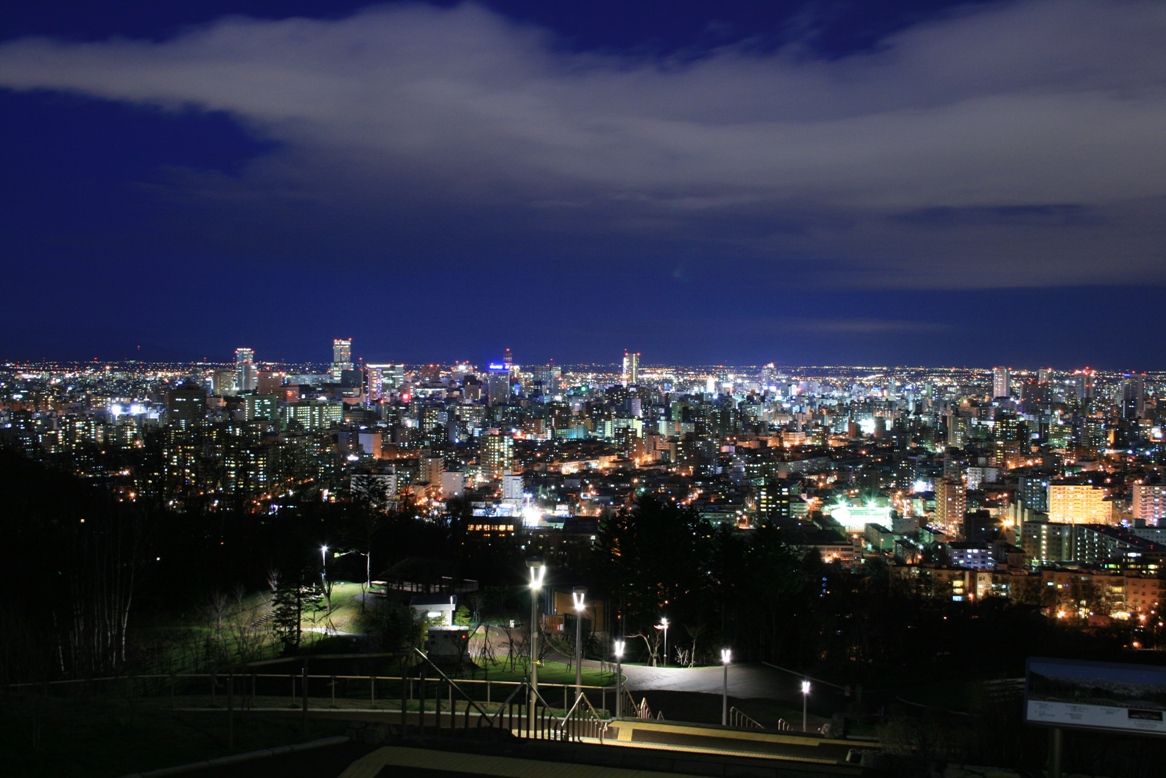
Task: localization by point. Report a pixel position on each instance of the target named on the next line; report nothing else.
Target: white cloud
(929, 161)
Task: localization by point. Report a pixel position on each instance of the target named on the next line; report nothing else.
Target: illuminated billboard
(1095, 695)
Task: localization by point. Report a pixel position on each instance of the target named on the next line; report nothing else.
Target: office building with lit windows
(246, 376)
(341, 357)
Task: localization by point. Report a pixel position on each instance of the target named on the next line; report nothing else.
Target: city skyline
(793, 182)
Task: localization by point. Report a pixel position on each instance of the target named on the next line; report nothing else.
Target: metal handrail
(595, 722)
(742, 720)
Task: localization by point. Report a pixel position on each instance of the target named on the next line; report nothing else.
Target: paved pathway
(748, 681)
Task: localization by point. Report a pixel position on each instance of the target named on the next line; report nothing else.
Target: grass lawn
(346, 614)
(550, 673)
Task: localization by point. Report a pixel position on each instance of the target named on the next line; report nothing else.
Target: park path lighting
(805, 699)
(619, 647)
(324, 578)
(578, 594)
(726, 657)
(537, 571)
(664, 624)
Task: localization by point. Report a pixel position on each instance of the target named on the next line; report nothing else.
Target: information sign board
(1095, 695)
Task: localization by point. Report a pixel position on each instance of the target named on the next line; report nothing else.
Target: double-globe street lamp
(537, 571)
(578, 594)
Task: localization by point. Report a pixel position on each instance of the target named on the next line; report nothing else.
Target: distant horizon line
(616, 365)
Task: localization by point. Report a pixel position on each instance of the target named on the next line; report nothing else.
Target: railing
(583, 721)
(742, 720)
(640, 710)
(287, 689)
(785, 726)
(425, 700)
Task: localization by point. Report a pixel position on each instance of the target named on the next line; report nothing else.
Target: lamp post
(537, 571)
(805, 698)
(726, 656)
(324, 578)
(619, 646)
(664, 626)
(578, 594)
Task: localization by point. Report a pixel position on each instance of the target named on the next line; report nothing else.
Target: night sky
(832, 182)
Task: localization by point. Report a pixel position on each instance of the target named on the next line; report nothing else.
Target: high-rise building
(1133, 396)
(1079, 504)
(261, 406)
(223, 383)
(497, 386)
(497, 455)
(631, 368)
(1085, 381)
(186, 405)
(1033, 492)
(341, 357)
(429, 470)
(246, 376)
(271, 382)
(951, 502)
(547, 379)
(1001, 382)
(513, 487)
(774, 498)
(383, 380)
(1149, 503)
(374, 382)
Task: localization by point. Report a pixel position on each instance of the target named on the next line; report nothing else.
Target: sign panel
(1095, 695)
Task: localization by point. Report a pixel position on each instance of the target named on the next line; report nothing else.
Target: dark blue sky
(850, 182)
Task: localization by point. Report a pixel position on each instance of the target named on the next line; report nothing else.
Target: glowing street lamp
(664, 626)
(726, 657)
(323, 562)
(537, 571)
(619, 647)
(805, 699)
(578, 594)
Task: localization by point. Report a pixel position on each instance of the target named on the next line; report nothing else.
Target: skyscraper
(1001, 382)
(631, 368)
(341, 357)
(497, 386)
(1085, 381)
(1133, 396)
(497, 455)
(246, 378)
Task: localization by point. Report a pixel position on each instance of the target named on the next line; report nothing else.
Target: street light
(537, 571)
(664, 622)
(323, 562)
(726, 656)
(805, 698)
(619, 646)
(578, 594)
